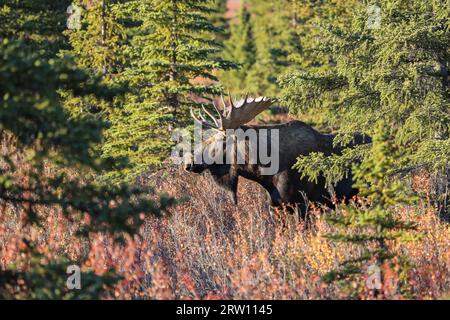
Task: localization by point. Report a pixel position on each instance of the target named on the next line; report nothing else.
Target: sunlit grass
(206, 248)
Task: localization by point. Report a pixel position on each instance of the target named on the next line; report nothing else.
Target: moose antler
(235, 114)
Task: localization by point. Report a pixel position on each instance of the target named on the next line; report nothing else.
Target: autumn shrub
(207, 248)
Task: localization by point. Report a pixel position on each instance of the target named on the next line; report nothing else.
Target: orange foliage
(206, 248)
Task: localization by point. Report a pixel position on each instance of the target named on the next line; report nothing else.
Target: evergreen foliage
(99, 47)
(39, 24)
(275, 39)
(83, 111)
(395, 73)
(309, 17)
(240, 48)
(263, 39)
(37, 131)
(219, 20)
(373, 225)
(174, 59)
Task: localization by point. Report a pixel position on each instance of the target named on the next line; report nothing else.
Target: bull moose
(285, 187)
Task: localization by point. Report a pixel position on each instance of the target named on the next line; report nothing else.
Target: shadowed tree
(373, 225)
(48, 159)
(240, 48)
(394, 72)
(38, 23)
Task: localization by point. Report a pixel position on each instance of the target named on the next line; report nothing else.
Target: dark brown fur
(286, 187)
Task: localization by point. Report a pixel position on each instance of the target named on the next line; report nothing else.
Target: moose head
(284, 186)
(220, 146)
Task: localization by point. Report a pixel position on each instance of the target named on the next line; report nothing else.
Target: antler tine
(245, 110)
(202, 122)
(234, 115)
(230, 99)
(223, 102)
(246, 97)
(194, 116)
(202, 117)
(210, 115)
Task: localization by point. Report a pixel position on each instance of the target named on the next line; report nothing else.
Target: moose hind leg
(275, 201)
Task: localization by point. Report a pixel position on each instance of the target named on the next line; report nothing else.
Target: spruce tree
(99, 47)
(308, 19)
(39, 136)
(219, 20)
(275, 39)
(39, 24)
(240, 48)
(373, 225)
(305, 20)
(395, 72)
(175, 56)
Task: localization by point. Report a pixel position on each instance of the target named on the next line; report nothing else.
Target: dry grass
(206, 248)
